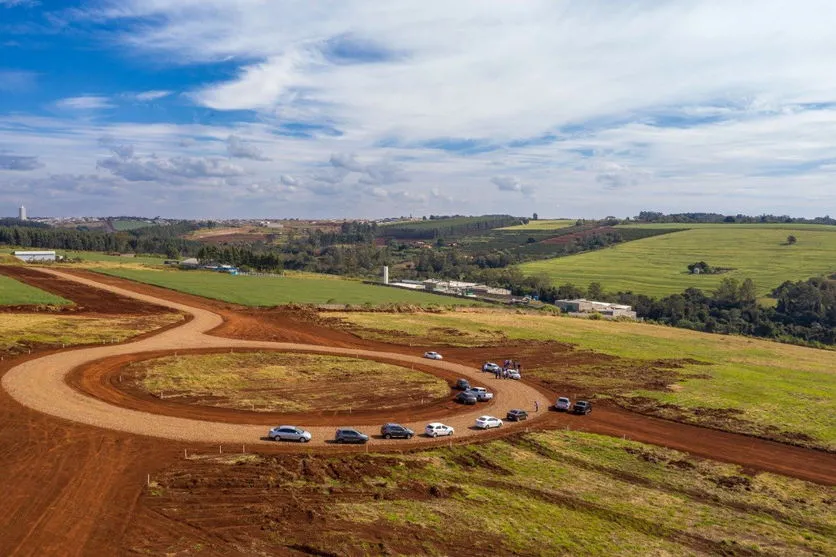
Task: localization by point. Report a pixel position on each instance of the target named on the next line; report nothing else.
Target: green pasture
(104, 258)
(657, 266)
(14, 293)
(546, 224)
(773, 388)
(271, 291)
(130, 224)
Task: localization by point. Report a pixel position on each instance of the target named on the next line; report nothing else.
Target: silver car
(289, 433)
(563, 404)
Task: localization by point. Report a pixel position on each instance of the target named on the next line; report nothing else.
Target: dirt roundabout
(104, 380)
(40, 384)
(210, 325)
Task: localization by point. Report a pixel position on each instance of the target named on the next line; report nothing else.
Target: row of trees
(655, 216)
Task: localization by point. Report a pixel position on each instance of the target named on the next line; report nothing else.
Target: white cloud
(599, 107)
(146, 96)
(237, 148)
(10, 161)
(84, 102)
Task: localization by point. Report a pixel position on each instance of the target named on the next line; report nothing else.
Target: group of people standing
(504, 373)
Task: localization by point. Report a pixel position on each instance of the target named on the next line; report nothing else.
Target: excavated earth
(77, 450)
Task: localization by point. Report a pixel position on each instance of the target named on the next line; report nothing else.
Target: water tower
(21, 213)
(385, 274)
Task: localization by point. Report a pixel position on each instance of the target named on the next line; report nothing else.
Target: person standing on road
(536, 406)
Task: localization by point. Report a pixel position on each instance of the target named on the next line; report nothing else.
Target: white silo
(21, 213)
(385, 274)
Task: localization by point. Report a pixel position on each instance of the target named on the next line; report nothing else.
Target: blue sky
(289, 108)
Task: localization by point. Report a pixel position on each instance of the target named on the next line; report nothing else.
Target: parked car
(582, 407)
(436, 429)
(433, 355)
(514, 374)
(346, 435)
(563, 404)
(466, 397)
(516, 415)
(487, 422)
(462, 384)
(482, 394)
(397, 431)
(492, 367)
(289, 433)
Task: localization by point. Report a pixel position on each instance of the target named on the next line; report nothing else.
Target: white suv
(436, 429)
(433, 355)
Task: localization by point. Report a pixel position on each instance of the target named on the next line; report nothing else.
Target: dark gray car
(396, 431)
(346, 435)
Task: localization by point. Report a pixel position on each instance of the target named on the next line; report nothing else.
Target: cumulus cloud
(239, 149)
(19, 162)
(84, 102)
(168, 170)
(347, 161)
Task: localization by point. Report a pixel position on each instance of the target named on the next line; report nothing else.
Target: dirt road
(40, 384)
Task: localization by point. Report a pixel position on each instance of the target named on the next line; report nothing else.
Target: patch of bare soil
(290, 505)
(87, 300)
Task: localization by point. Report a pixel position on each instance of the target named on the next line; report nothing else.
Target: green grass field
(760, 381)
(14, 293)
(272, 291)
(657, 266)
(130, 224)
(547, 224)
(104, 258)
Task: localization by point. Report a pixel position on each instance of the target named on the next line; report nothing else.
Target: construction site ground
(77, 469)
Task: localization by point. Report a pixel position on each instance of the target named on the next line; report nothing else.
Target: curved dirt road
(40, 385)
(50, 394)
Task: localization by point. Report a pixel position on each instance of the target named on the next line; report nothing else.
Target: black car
(582, 407)
(462, 384)
(388, 431)
(345, 435)
(466, 398)
(516, 415)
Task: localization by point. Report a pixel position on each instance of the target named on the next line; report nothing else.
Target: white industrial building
(32, 256)
(583, 306)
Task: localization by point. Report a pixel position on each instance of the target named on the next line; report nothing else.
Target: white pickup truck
(482, 394)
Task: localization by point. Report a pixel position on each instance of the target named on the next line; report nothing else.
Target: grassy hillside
(555, 493)
(271, 291)
(546, 224)
(658, 266)
(735, 383)
(14, 293)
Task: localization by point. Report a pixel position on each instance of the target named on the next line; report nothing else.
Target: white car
(514, 374)
(436, 429)
(289, 433)
(563, 404)
(491, 367)
(482, 394)
(433, 355)
(487, 422)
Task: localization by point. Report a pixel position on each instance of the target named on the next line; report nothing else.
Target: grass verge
(276, 382)
(20, 332)
(554, 493)
(775, 390)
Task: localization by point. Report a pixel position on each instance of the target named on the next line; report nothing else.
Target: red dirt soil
(70, 489)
